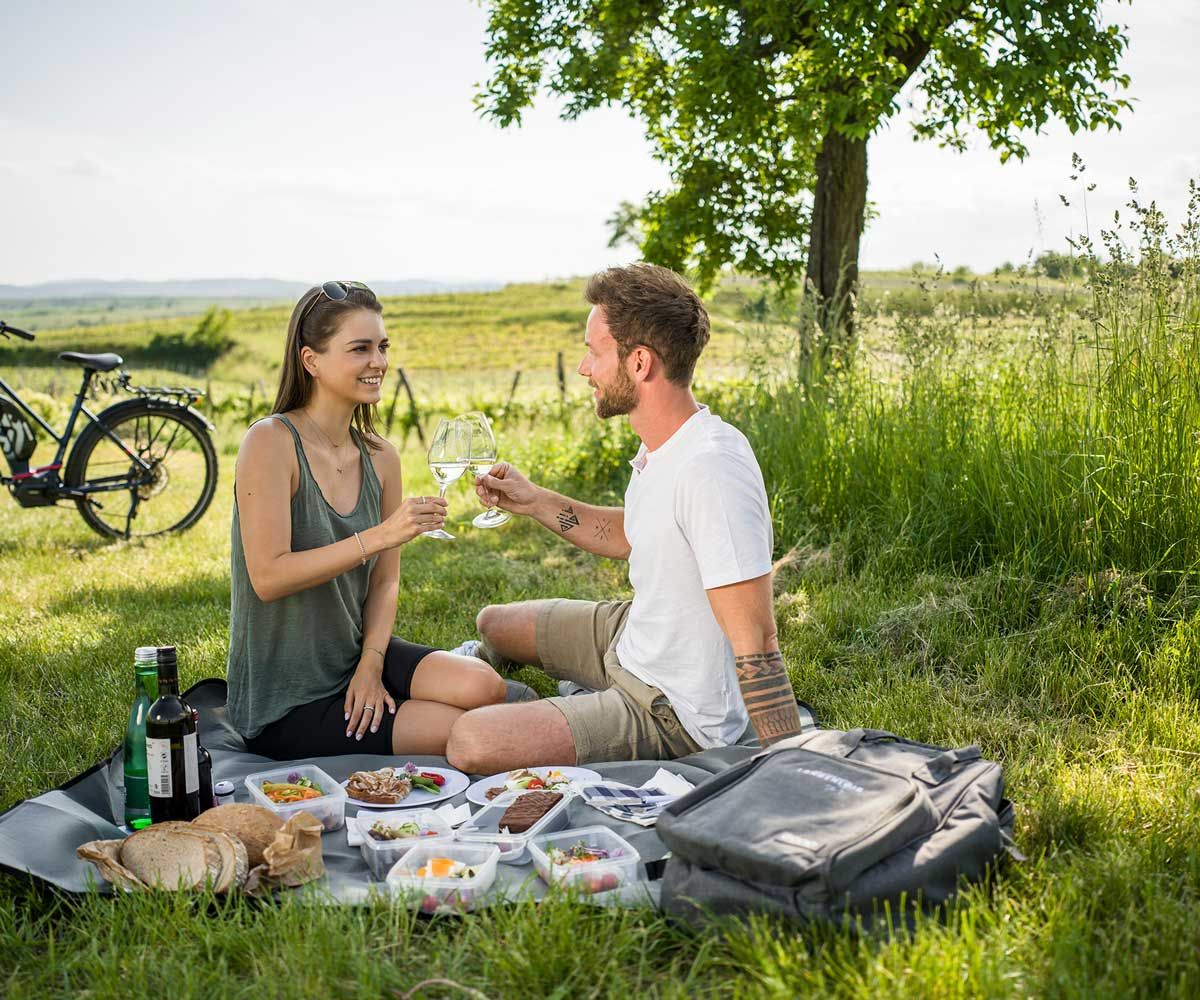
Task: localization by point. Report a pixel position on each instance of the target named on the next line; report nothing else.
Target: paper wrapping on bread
(177, 856)
(292, 858)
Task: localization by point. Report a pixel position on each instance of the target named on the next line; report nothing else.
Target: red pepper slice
(437, 779)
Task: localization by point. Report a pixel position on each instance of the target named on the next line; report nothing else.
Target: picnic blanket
(38, 836)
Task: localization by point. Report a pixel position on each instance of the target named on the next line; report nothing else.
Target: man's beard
(618, 398)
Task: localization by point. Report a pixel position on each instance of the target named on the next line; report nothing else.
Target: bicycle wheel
(182, 478)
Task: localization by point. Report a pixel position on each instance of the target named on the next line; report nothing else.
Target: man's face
(614, 392)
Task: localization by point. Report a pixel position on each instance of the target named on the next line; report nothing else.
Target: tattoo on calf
(603, 531)
(567, 519)
(768, 695)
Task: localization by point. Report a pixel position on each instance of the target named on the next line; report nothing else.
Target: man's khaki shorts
(624, 718)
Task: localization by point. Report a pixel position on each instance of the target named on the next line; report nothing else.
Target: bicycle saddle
(96, 362)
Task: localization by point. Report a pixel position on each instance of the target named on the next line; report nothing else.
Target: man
(694, 655)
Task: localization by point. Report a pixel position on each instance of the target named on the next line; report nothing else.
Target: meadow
(988, 530)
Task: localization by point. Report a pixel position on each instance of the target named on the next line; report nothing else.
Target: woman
(318, 522)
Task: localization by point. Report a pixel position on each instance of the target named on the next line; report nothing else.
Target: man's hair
(653, 307)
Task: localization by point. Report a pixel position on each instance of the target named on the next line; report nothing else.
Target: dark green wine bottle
(172, 760)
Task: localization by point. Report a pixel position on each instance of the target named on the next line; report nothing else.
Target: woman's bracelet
(372, 649)
(361, 548)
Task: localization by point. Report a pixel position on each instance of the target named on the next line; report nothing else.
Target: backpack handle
(936, 771)
(850, 740)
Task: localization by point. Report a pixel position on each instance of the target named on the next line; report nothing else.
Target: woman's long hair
(320, 324)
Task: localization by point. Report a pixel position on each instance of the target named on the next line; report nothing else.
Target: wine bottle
(207, 799)
(145, 690)
(172, 760)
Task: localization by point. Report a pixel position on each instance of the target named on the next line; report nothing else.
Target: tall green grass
(1074, 454)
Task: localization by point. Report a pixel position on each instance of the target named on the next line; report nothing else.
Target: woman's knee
(486, 687)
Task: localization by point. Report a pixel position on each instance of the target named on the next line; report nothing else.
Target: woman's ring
(368, 708)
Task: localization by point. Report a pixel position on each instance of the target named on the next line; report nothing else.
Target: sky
(299, 140)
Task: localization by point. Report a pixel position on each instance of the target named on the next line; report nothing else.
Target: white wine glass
(448, 454)
(483, 455)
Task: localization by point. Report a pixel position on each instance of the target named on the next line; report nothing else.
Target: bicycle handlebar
(5, 329)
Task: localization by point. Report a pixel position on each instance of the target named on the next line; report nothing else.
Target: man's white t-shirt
(696, 517)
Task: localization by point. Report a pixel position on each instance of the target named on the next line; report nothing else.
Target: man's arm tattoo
(567, 519)
(603, 530)
(768, 695)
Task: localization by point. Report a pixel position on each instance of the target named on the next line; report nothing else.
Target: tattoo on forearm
(768, 695)
(603, 530)
(567, 519)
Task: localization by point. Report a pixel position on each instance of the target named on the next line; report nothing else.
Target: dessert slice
(527, 810)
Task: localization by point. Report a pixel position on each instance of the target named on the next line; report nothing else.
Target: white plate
(456, 781)
(477, 793)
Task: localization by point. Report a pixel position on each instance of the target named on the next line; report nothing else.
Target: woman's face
(354, 361)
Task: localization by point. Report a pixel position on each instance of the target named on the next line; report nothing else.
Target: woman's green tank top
(298, 649)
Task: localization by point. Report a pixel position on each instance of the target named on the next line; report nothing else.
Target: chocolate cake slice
(527, 810)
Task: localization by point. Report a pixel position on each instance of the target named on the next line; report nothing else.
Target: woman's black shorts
(318, 729)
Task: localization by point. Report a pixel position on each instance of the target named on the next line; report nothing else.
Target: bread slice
(171, 858)
(253, 825)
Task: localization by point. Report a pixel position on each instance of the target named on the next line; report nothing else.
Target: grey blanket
(38, 837)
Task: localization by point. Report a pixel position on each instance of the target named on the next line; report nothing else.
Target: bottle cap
(223, 788)
(146, 653)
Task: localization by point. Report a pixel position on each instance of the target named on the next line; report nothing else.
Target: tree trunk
(839, 207)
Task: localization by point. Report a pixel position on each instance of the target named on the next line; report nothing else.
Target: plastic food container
(381, 855)
(330, 808)
(619, 869)
(445, 895)
(484, 828)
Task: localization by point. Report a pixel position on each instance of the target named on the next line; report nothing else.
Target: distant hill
(261, 289)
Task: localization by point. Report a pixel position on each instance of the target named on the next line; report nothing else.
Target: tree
(762, 109)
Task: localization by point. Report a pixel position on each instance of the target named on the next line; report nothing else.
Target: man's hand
(504, 487)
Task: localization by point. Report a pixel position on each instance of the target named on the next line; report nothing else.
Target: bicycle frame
(107, 484)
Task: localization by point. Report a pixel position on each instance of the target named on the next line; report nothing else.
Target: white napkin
(674, 784)
(452, 815)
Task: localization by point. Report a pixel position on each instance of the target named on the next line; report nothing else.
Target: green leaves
(736, 98)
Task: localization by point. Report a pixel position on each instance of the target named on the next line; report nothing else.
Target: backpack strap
(936, 771)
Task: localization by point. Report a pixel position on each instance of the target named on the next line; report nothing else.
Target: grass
(905, 601)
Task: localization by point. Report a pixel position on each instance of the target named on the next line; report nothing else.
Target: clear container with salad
(299, 788)
(590, 859)
(387, 836)
(444, 876)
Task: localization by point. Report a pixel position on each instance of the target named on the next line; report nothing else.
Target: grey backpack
(831, 824)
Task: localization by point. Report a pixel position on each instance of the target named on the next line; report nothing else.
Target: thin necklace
(333, 447)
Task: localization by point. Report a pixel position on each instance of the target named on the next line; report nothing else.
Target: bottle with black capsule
(172, 758)
(207, 798)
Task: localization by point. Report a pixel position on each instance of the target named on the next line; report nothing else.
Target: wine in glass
(483, 455)
(448, 459)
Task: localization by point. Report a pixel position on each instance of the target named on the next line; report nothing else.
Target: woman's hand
(413, 517)
(366, 697)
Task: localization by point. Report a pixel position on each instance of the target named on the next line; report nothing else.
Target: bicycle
(153, 448)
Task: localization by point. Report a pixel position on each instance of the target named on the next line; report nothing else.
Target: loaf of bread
(253, 825)
(527, 810)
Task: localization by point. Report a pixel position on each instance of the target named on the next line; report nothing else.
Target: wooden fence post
(414, 415)
(513, 391)
(562, 387)
(395, 396)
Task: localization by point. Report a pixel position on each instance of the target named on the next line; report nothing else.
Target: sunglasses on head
(334, 291)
